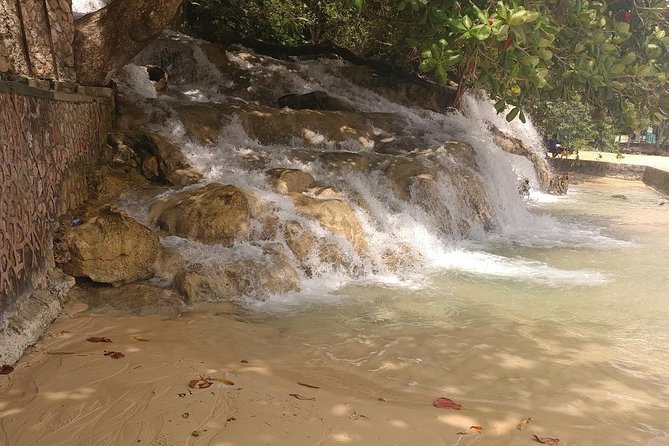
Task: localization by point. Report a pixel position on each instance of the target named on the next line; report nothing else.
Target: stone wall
(658, 179)
(48, 140)
(598, 168)
(36, 38)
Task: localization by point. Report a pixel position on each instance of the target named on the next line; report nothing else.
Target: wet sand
(65, 391)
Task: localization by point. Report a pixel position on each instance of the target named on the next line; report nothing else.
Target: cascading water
(423, 198)
(422, 273)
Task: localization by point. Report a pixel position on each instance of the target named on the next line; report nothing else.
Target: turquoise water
(575, 333)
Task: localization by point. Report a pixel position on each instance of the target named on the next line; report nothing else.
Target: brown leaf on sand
(308, 385)
(445, 403)
(524, 422)
(141, 339)
(546, 440)
(475, 429)
(98, 339)
(115, 355)
(6, 369)
(300, 397)
(200, 383)
(227, 382)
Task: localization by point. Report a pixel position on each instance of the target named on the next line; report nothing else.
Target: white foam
(414, 233)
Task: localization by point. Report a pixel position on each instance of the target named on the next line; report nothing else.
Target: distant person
(554, 146)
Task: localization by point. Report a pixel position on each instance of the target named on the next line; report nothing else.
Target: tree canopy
(613, 53)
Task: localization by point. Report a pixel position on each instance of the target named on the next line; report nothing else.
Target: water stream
(558, 311)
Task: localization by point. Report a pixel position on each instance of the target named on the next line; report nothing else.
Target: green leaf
(502, 33)
(522, 117)
(628, 58)
(481, 32)
(466, 22)
(500, 106)
(622, 27)
(617, 69)
(518, 18)
(512, 114)
(483, 17)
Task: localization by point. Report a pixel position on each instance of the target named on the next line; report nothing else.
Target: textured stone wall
(47, 140)
(36, 38)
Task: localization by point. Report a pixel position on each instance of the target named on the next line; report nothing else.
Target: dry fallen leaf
(476, 429)
(524, 422)
(300, 397)
(227, 382)
(6, 369)
(382, 399)
(185, 415)
(244, 361)
(308, 385)
(200, 383)
(195, 433)
(115, 355)
(546, 440)
(141, 339)
(98, 339)
(445, 403)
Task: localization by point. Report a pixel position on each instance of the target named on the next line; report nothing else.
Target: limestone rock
(265, 221)
(159, 159)
(315, 100)
(168, 263)
(309, 248)
(288, 181)
(212, 214)
(134, 298)
(109, 247)
(203, 122)
(112, 181)
(245, 277)
(514, 145)
(335, 215)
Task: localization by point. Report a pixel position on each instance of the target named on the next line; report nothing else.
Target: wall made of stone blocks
(37, 38)
(47, 141)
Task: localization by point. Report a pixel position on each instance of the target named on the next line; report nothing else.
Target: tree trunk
(107, 39)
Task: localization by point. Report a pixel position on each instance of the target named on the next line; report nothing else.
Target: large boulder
(158, 159)
(547, 179)
(212, 214)
(312, 251)
(134, 298)
(251, 277)
(315, 100)
(288, 181)
(337, 216)
(108, 247)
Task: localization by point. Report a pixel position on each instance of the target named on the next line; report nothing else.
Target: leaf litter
(446, 403)
(546, 440)
(115, 355)
(98, 339)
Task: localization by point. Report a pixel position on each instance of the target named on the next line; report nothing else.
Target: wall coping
(37, 89)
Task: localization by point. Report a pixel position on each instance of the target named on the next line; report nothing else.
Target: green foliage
(572, 120)
(614, 53)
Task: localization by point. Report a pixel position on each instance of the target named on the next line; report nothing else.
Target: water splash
(426, 233)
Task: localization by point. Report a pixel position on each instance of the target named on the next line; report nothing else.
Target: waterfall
(426, 187)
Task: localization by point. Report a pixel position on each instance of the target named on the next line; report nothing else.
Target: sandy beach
(65, 391)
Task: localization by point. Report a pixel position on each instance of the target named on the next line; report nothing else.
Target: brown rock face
(336, 216)
(109, 247)
(547, 179)
(212, 214)
(158, 159)
(288, 181)
(246, 277)
(306, 247)
(133, 298)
